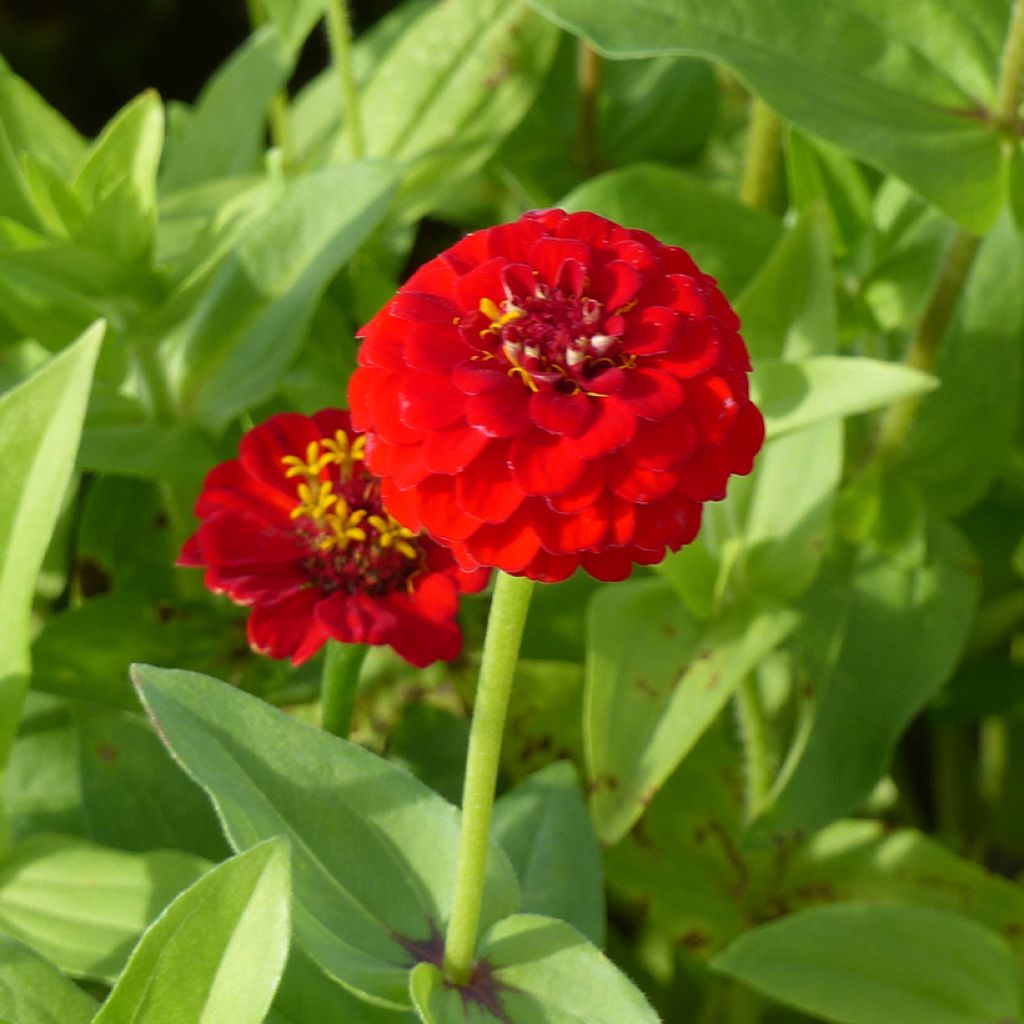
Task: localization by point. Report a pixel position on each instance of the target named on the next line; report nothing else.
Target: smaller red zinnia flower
(295, 527)
(556, 393)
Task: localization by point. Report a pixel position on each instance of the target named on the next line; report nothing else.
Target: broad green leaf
(294, 18)
(682, 866)
(543, 826)
(83, 906)
(134, 797)
(224, 134)
(217, 953)
(728, 240)
(539, 970)
(796, 394)
(949, 455)
(117, 181)
(233, 345)
(373, 848)
(467, 72)
(899, 87)
(33, 991)
(656, 679)
(859, 963)
(881, 634)
(431, 742)
(40, 424)
(865, 860)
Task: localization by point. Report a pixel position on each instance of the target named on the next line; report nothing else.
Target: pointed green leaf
(898, 86)
(539, 969)
(544, 827)
(84, 905)
(656, 679)
(294, 18)
(217, 953)
(797, 394)
(40, 424)
(33, 991)
(374, 849)
(859, 963)
(727, 239)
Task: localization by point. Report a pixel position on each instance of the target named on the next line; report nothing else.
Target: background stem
(588, 78)
(277, 114)
(761, 159)
(342, 664)
(339, 35)
(1011, 70)
(756, 743)
(501, 651)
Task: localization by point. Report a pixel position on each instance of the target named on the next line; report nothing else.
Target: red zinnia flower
(553, 393)
(296, 528)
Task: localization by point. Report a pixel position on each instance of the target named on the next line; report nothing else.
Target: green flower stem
(338, 687)
(924, 348)
(277, 114)
(339, 34)
(588, 80)
(757, 743)
(761, 159)
(501, 650)
(1011, 72)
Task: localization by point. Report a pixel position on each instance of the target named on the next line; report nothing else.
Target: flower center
(552, 339)
(353, 544)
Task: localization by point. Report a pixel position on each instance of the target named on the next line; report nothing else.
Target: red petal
(696, 350)
(434, 276)
(548, 568)
(508, 545)
(591, 227)
(622, 520)
(548, 254)
(545, 463)
(653, 331)
(688, 295)
(384, 344)
(191, 556)
(434, 348)
(230, 485)
(486, 488)
(357, 618)
(504, 411)
(562, 414)
(437, 509)
(234, 537)
(613, 426)
(483, 282)
(381, 403)
(262, 448)
(565, 534)
(402, 463)
(714, 407)
(419, 306)
(611, 565)
(401, 504)
(661, 444)
(704, 477)
(287, 628)
(636, 254)
(635, 483)
(652, 394)
(583, 493)
(616, 284)
(450, 451)
(746, 439)
(672, 522)
(678, 261)
(478, 376)
(427, 401)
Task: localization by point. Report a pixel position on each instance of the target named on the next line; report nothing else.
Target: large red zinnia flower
(296, 528)
(556, 392)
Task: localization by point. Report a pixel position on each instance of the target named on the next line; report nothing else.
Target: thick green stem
(277, 113)
(339, 684)
(588, 79)
(339, 34)
(497, 669)
(924, 348)
(761, 159)
(1011, 71)
(757, 743)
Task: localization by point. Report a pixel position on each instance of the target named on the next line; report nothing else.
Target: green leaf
(859, 963)
(899, 87)
(33, 991)
(538, 970)
(374, 849)
(979, 369)
(294, 18)
(866, 860)
(217, 952)
(133, 795)
(40, 424)
(467, 72)
(224, 134)
(797, 394)
(431, 742)
(656, 679)
(544, 827)
(867, 691)
(727, 239)
(117, 181)
(83, 905)
(233, 345)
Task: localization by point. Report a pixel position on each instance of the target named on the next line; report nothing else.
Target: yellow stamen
(493, 312)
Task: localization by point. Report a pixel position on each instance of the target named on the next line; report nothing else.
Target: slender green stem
(745, 1005)
(339, 684)
(951, 766)
(993, 762)
(757, 743)
(761, 159)
(924, 348)
(1011, 71)
(277, 114)
(151, 370)
(339, 34)
(588, 80)
(497, 669)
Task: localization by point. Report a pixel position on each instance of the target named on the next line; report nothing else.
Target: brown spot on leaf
(106, 752)
(646, 687)
(694, 939)
(669, 630)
